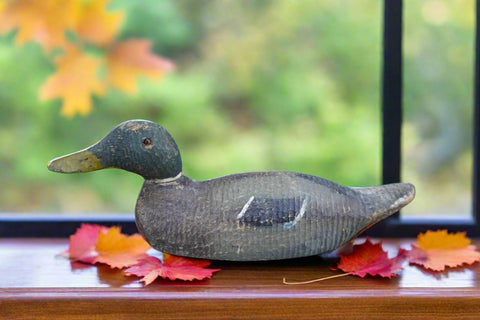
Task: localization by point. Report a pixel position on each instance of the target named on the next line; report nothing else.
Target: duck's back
(251, 216)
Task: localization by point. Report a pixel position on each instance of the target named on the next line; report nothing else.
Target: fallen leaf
(83, 242)
(96, 25)
(436, 250)
(441, 239)
(44, 21)
(132, 58)
(369, 258)
(119, 250)
(75, 80)
(173, 268)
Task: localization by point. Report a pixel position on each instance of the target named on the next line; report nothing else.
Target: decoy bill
(241, 217)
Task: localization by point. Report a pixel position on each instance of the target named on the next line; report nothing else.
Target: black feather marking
(268, 212)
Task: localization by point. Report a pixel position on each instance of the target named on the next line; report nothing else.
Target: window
(327, 85)
(437, 135)
(392, 125)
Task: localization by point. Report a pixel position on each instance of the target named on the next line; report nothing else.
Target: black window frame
(15, 225)
(392, 107)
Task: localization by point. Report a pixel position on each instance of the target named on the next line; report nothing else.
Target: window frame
(392, 107)
(18, 225)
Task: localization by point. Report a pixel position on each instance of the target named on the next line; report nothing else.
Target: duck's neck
(173, 182)
(168, 180)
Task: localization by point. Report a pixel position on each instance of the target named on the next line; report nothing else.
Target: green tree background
(260, 85)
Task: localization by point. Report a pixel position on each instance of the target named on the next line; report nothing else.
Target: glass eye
(146, 141)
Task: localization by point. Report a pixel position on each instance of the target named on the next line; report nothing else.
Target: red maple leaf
(83, 242)
(369, 258)
(173, 268)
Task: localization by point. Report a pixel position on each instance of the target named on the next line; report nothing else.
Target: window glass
(438, 107)
(258, 85)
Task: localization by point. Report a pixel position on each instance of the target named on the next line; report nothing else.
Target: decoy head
(138, 146)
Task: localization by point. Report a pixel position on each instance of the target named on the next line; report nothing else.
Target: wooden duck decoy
(240, 217)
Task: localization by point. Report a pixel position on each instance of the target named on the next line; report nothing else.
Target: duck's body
(258, 215)
(242, 217)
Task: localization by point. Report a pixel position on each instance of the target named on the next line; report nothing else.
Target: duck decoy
(240, 217)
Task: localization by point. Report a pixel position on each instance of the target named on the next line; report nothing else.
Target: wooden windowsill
(35, 283)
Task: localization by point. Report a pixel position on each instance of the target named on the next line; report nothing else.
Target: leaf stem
(316, 280)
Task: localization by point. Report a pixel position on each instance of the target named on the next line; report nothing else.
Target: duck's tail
(382, 201)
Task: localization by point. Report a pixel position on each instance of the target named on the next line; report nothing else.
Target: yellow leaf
(441, 239)
(119, 250)
(132, 58)
(96, 25)
(44, 21)
(74, 81)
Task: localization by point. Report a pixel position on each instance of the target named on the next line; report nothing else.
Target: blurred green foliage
(260, 85)
(438, 93)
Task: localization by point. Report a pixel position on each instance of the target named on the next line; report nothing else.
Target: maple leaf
(369, 258)
(129, 59)
(173, 268)
(119, 250)
(436, 250)
(83, 242)
(74, 81)
(44, 21)
(96, 25)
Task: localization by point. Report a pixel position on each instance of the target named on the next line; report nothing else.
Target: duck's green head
(138, 146)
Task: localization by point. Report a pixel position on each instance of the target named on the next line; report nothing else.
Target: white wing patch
(245, 208)
(288, 225)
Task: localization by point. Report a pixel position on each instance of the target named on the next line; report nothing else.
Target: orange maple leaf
(437, 250)
(173, 268)
(119, 250)
(44, 21)
(132, 58)
(74, 81)
(96, 25)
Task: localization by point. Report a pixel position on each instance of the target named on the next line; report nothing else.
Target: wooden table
(35, 283)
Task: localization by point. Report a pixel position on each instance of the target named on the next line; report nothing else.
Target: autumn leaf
(88, 23)
(44, 21)
(173, 268)
(74, 81)
(369, 258)
(83, 242)
(96, 25)
(366, 258)
(436, 250)
(132, 58)
(119, 250)
(441, 239)
(93, 243)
